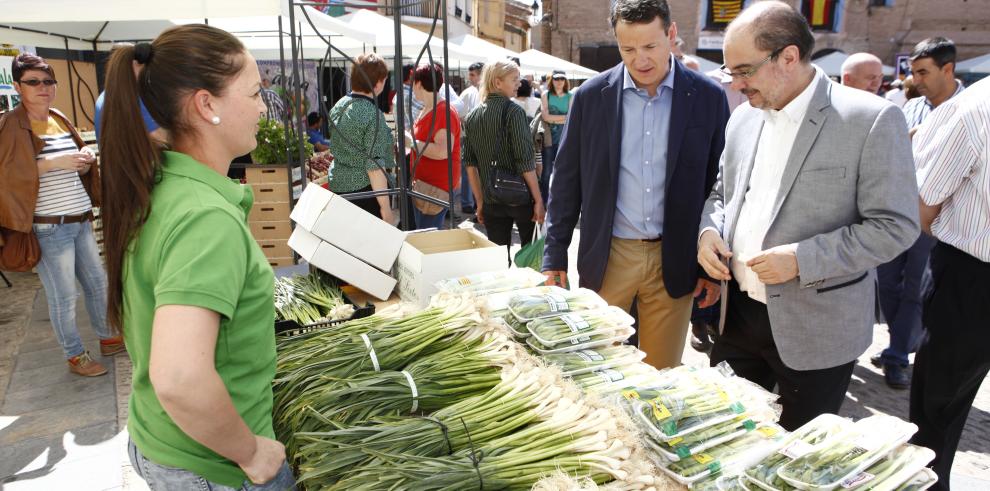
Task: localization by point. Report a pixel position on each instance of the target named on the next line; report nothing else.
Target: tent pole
(400, 120)
(72, 89)
(450, 141)
(281, 82)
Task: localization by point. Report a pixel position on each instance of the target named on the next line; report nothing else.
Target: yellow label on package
(630, 394)
(703, 458)
(660, 412)
(674, 441)
(722, 395)
(768, 431)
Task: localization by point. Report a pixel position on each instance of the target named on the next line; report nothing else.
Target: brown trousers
(634, 271)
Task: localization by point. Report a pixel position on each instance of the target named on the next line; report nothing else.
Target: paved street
(59, 431)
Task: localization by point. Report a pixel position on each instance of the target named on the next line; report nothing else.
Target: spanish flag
(724, 11)
(820, 13)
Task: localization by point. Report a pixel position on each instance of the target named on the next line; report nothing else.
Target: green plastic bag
(531, 255)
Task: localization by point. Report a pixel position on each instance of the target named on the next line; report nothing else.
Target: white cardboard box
(329, 258)
(428, 257)
(348, 227)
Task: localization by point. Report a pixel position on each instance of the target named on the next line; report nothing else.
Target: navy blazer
(586, 175)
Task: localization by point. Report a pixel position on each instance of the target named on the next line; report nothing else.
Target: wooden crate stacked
(269, 217)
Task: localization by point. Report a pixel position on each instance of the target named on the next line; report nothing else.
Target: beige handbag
(425, 207)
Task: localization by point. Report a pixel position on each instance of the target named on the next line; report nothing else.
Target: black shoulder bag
(507, 187)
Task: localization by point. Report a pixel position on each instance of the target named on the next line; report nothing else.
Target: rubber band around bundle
(415, 393)
(475, 457)
(371, 352)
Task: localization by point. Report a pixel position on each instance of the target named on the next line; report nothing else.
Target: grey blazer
(848, 198)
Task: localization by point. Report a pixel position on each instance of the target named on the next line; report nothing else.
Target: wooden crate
(269, 212)
(264, 174)
(278, 230)
(272, 192)
(275, 248)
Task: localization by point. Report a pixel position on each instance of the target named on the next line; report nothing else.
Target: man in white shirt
(808, 211)
(951, 153)
(470, 98)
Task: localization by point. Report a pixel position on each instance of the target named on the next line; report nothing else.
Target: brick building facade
(578, 30)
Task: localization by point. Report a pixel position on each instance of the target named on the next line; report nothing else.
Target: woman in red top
(429, 160)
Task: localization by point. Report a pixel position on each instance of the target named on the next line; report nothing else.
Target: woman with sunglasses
(49, 182)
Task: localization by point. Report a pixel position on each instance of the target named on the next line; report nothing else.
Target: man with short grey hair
(796, 224)
(863, 71)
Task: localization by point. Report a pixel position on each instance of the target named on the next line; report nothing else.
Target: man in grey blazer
(811, 197)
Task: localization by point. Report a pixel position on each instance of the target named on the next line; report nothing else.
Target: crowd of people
(774, 208)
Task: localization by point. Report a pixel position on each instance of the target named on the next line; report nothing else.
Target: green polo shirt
(195, 249)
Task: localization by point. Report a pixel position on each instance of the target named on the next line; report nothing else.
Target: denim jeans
(68, 253)
(429, 221)
(901, 290)
(549, 155)
(467, 198)
(162, 478)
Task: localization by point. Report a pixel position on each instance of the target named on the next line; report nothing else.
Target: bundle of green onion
(589, 360)
(610, 380)
(894, 470)
(699, 441)
(605, 336)
(844, 456)
(492, 282)
(308, 300)
(529, 307)
(566, 328)
(803, 440)
(427, 384)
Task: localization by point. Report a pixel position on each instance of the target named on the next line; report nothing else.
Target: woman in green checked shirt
(360, 141)
(479, 143)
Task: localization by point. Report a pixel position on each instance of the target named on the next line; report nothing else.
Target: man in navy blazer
(637, 159)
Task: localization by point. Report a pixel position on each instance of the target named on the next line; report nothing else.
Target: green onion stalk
(847, 453)
(427, 384)
(388, 347)
(525, 395)
(306, 299)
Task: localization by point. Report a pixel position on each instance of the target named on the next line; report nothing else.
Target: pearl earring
(215, 120)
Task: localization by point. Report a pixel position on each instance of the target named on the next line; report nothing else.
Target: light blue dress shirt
(643, 158)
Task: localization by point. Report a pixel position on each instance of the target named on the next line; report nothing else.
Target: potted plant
(272, 145)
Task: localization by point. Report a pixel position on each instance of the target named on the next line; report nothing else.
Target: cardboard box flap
(304, 243)
(310, 205)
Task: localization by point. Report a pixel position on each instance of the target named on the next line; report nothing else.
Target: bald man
(863, 71)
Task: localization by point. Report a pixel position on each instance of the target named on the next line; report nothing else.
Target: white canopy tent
(20, 11)
(412, 40)
(541, 63)
(475, 44)
(980, 64)
(831, 64)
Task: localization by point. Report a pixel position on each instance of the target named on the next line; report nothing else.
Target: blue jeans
(900, 283)
(467, 198)
(68, 253)
(549, 155)
(429, 221)
(162, 478)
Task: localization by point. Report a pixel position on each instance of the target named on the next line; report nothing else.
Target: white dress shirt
(774, 148)
(470, 99)
(952, 150)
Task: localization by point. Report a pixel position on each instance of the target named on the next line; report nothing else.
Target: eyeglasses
(745, 74)
(35, 82)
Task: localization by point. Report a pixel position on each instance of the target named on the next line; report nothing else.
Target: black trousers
(499, 220)
(369, 205)
(954, 359)
(747, 345)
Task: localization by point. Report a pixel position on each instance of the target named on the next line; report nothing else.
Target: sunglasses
(35, 82)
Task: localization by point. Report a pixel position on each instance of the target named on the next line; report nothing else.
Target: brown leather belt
(61, 220)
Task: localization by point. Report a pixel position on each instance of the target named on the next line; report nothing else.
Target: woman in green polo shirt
(189, 287)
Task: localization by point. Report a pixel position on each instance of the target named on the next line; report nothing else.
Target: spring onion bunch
(803, 440)
(427, 384)
(579, 440)
(894, 470)
(845, 455)
(558, 329)
(526, 394)
(606, 336)
(306, 299)
(528, 307)
(388, 347)
(611, 380)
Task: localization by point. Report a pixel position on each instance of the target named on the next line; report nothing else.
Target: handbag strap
(500, 135)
